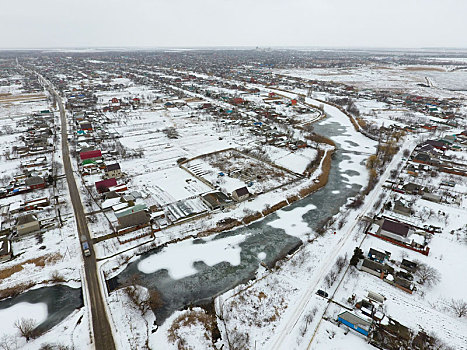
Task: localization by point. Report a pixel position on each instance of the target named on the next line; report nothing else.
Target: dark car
(322, 293)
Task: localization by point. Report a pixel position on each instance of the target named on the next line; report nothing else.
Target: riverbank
(306, 187)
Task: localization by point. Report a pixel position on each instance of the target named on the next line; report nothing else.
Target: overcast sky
(188, 23)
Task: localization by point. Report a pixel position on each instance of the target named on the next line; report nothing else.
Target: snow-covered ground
(279, 308)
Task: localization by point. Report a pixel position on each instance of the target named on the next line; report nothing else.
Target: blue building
(378, 256)
(354, 322)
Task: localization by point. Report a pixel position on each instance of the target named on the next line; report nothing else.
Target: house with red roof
(91, 155)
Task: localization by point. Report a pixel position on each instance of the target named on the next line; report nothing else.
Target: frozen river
(195, 271)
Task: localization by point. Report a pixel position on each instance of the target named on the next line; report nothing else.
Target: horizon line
(225, 47)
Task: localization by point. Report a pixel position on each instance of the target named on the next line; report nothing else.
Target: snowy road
(103, 338)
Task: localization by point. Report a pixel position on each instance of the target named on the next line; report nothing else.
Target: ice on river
(291, 221)
(178, 258)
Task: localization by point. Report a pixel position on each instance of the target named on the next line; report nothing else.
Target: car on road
(322, 293)
(86, 250)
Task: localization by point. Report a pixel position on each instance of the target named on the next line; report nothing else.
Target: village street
(103, 338)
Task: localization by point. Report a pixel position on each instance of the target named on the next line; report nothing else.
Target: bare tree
(330, 278)
(26, 327)
(309, 317)
(341, 262)
(459, 307)
(427, 275)
(8, 342)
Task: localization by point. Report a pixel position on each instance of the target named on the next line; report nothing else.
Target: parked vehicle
(322, 293)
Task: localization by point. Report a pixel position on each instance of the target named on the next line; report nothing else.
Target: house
(366, 307)
(113, 170)
(422, 157)
(91, 155)
(5, 249)
(36, 203)
(110, 202)
(27, 224)
(403, 283)
(35, 182)
(85, 126)
(374, 268)
(237, 101)
(408, 265)
(119, 188)
(400, 208)
(103, 186)
(136, 194)
(395, 230)
(376, 297)
(412, 188)
(378, 256)
(128, 198)
(39, 141)
(111, 194)
(240, 194)
(425, 148)
(431, 197)
(354, 322)
(437, 144)
(390, 330)
(133, 219)
(215, 200)
(128, 209)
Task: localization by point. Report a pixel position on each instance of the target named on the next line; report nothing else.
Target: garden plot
(169, 186)
(232, 169)
(23, 107)
(296, 161)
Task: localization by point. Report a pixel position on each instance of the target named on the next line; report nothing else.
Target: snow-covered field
(403, 78)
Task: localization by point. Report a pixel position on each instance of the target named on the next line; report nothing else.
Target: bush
(253, 217)
(186, 320)
(292, 199)
(274, 208)
(56, 277)
(357, 255)
(356, 203)
(26, 327)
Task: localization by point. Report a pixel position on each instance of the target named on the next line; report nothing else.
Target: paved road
(101, 328)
